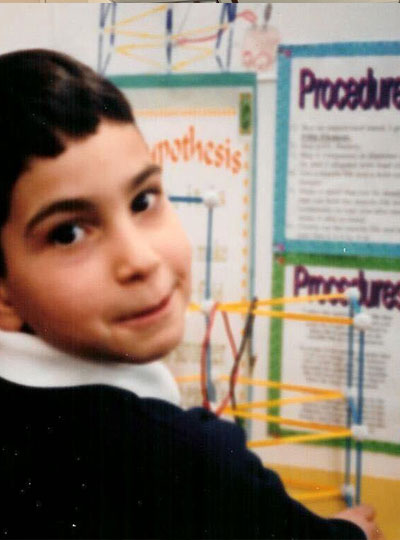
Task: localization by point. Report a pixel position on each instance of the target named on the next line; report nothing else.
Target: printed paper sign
(338, 164)
(316, 354)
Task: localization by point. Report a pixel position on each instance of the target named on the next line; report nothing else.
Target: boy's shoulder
(111, 425)
(109, 405)
(138, 467)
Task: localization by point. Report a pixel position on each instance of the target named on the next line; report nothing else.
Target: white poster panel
(316, 354)
(194, 133)
(133, 37)
(339, 189)
(344, 165)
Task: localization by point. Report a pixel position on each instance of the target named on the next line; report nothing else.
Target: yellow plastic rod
(283, 386)
(204, 30)
(183, 63)
(266, 383)
(131, 33)
(294, 316)
(187, 378)
(288, 421)
(287, 300)
(288, 401)
(125, 50)
(300, 438)
(139, 16)
(243, 309)
(140, 46)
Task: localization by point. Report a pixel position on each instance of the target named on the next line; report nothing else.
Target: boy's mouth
(147, 314)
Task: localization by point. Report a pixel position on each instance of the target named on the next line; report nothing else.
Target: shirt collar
(29, 361)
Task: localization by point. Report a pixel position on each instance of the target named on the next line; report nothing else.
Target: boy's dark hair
(47, 98)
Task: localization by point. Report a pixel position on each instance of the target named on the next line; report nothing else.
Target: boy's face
(97, 261)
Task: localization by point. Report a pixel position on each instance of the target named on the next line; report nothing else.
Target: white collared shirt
(29, 361)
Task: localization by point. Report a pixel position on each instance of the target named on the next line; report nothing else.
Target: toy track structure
(357, 322)
(202, 42)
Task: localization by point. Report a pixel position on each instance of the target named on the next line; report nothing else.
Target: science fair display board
(201, 130)
(337, 223)
(338, 165)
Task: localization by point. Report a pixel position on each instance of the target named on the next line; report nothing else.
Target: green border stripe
(276, 330)
(275, 344)
(253, 221)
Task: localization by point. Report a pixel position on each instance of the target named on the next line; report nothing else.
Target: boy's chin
(139, 351)
(150, 355)
(150, 349)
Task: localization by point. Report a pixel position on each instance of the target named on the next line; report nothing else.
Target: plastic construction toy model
(124, 36)
(357, 322)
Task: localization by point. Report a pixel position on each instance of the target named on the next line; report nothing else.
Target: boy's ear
(9, 318)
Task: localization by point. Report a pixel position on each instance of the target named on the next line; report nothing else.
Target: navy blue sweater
(99, 462)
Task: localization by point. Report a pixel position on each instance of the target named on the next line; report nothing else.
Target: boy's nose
(135, 258)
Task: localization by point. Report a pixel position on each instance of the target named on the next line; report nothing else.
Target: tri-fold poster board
(337, 222)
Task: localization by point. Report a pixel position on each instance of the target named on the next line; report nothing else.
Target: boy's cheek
(188, 264)
(187, 261)
(51, 298)
(180, 261)
(179, 246)
(189, 253)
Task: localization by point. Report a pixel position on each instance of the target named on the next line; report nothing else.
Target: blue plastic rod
(210, 385)
(350, 354)
(169, 25)
(177, 198)
(359, 446)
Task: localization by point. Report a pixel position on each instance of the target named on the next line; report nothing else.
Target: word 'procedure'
(373, 293)
(366, 93)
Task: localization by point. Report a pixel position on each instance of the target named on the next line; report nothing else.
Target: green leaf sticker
(246, 114)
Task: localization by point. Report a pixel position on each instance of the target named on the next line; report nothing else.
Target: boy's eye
(144, 201)
(66, 234)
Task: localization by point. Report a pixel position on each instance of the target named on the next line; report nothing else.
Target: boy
(95, 278)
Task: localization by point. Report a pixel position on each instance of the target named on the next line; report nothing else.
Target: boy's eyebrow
(143, 175)
(61, 206)
(83, 205)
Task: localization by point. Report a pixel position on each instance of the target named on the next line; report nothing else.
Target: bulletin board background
(337, 197)
(136, 39)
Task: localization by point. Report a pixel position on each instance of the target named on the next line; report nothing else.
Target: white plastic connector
(207, 305)
(213, 406)
(350, 392)
(348, 490)
(353, 293)
(211, 199)
(360, 432)
(362, 321)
